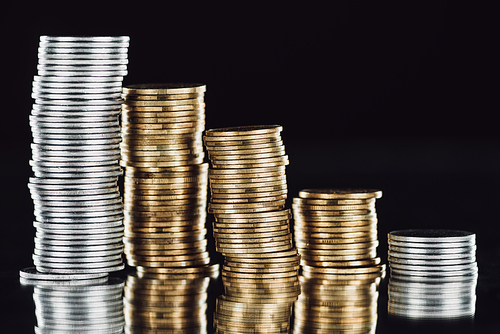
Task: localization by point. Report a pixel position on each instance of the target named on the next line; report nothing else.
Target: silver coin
(85, 67)
(422, 288)
(42, 204)
(433, 257)
(66, 61)
(431, 236)
(430, 246)
(48, 154)
(76, 227)
(78, 164)
(32, 274)
(84, 43)
(100, 89)
(79, 79)
(52, 283)
(434, 268)
(433, 251)
(427, 273)
(105, 123)
(43, 50)
(107, 328)
(82, 47)
(67, 85)
(79, 97)
(76, 199)
(431, 263)
(46, 38)
(80, 220)
(405, 311)
(70, 114)
(76, 192)
(59, 212)
(84, 260)
(84, 171)
(79, 248)
(57, 235)
(71, 306)
(39, 242)
(45, 253)
(84, 301)
(39, 131)
(67, 159)
(91, 317)
(82, 73)
(42, 173)
(402, 276)
(83, 186)
(107, 144)
(40, 180)
(107, 269)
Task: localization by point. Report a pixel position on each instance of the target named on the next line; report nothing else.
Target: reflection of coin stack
(336, 230)
(433, 273)
(166, 303)
(67, 308)
(251, 228)
(76, 153)
(331, 305)
(165, 189)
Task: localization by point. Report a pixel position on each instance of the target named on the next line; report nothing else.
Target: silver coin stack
(433, 274)
(76, 154)
(95, 308)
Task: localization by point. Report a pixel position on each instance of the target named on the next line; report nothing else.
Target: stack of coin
(337, 229)
(167, 302)
(331, 305)
(71, 308)
(165, 188)
(76, 153)
(251, 229)
(433, 273)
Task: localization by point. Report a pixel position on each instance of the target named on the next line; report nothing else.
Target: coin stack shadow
(167, 303)
(433, 274)
(75, 155)
(251, 229)
(75, 307)
(165, 187)
(328, 304)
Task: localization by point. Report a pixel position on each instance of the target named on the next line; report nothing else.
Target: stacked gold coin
(165, 182)
(331, 305)
(166, 303)
(251, 229)
(336, 229)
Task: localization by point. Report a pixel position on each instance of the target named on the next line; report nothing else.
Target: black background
(396, 96)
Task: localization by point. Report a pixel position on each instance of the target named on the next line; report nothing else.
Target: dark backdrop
(397, 96)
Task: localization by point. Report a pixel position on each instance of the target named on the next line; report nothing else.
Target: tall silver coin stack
(433, 273)
(76, 154)
(68, 308)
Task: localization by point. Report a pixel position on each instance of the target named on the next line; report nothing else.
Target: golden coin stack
(165, 182)
(330, 305)
(251, 229)
(336, 230)
(166, 303)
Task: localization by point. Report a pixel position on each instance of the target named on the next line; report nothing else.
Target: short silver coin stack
(75, 156)
(433, 274)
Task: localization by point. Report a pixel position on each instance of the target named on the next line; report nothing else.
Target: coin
(348, 193)
(432, 236)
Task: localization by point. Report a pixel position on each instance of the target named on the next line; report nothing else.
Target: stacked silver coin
(433, 273)
(76, 154)
(95, 308)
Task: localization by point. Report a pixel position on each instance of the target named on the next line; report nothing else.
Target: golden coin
(136, 152)
(334, 262)
(186, 234)
(259, 275)
(347, 193)
(244, 130)
(252, 252)
(164, 103)
(167, 186)
(254, 243)
(194, 201)
(163, 114)
(278, 258)
(308, 201)
(246, 240)
(236, 163)
(293, 264)
(162, 96)
(168, 252)
(192, 263)
(244, 230)
(279, 269)
(140, 118)
(161, 159)
(332, 213)
(205, 269)
(162, 164)
(347, 235)
(308, 229)
(191, 132)
(254, 177)
(244, 182)
(186, 168)
(286, 213)
(345, 270)
(321, 208)
(164, 247)
(260, 155)
(188, 126)
(169, 142)
(341, 224)
(171, 258)
(312, 218)
(160, 222)
(129, 197)
(312, 242)
(247, 200)
(135, 229)
(249, 196)
(252, 225)
(248, 220)
(243, 172)
(245, 150)
(268, 187)
(246, 207)
(201, 179)
(242, 142)
(237, 148)
(366, 252)
(283, 161)
(164, 88)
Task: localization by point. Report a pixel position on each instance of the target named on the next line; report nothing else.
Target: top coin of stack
(336, 230)
(165, 178)
(76, 136)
